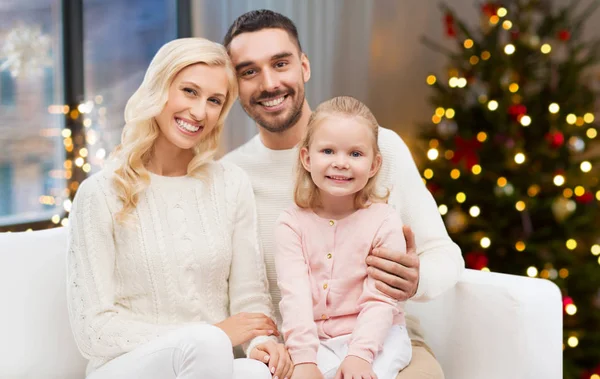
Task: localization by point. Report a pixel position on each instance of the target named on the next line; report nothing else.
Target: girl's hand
(276, 356)
(355, 368)
(307, 371)
(243, 327)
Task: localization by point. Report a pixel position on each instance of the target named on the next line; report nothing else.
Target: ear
(375, 166)
(305, 63)
(305, 158)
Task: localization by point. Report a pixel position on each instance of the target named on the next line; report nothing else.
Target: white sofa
(490, 326)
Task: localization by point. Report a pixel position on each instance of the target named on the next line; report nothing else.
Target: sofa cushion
(35, 335)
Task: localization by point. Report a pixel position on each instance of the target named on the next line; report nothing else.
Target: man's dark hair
(254, 21)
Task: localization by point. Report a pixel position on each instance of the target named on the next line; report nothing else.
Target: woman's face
(196, 98)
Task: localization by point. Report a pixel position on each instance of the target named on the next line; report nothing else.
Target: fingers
(260, 354)
(283, 370)
(290, 370)
(274, 358)
(409, 236)
(392, 292)
(262, 322)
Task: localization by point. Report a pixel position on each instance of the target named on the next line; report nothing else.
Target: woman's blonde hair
(141, 130)
(306, 194)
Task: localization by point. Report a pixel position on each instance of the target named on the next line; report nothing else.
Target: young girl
(335, 322)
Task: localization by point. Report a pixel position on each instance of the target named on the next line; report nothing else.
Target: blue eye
(327, 151)
(356, 154)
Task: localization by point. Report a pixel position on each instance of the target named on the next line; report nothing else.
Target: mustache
(270, 95)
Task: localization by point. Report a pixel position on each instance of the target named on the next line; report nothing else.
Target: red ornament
(586, 198)
(555, 139)
(489, 9)
(516, 111)
(514, 35)
(476, 260)
(449, 24)
(467, 150)
(564, 35)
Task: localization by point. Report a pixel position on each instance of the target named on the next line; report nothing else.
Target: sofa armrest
(494, 325)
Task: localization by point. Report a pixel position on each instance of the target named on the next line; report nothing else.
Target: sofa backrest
(35, 334)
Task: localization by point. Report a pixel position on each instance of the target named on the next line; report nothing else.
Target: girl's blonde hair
(141, 130)
(306, 194)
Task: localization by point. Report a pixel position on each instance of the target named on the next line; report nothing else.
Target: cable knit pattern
(272, 176)
(189, 255)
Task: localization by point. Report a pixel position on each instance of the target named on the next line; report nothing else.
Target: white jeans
(395, 356)
(192, 352)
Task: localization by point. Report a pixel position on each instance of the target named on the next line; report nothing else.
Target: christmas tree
(511, 154)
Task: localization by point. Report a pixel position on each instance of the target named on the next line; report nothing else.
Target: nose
(270, 82)
(198, 111)
(340, 162)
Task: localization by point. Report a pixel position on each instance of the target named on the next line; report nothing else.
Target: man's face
(271, 75)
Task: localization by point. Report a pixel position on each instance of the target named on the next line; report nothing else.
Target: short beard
(281, 127)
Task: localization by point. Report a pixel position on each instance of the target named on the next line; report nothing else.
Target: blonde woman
(165, 274)
(336, 323)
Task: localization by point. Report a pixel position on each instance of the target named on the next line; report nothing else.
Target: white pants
(192, 352)
(396, 354)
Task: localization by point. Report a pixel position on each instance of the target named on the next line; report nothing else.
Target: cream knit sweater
(190, 255)
(272, 176)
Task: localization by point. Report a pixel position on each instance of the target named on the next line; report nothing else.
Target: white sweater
(272, 176)
(191, 256)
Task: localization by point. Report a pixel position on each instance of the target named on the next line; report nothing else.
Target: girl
(335, 322)
(165, 274)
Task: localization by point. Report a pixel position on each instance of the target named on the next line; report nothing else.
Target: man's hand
(307, 371)
(276, 356)
(396, 274)
(354, 367)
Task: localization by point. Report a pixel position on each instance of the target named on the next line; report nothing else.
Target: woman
(165, 273)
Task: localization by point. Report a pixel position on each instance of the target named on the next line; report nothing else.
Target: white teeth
(339, 178)
(273, 103)
(189, 127)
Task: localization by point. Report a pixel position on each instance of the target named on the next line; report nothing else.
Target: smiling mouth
(339, 178)
(188, 127)
(272, 102)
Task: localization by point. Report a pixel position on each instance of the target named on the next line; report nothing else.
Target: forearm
(371, 330)
(440, 268)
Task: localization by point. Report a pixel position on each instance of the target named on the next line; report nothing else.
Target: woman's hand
(355, 367)
(243, 327)
(307, 371)
(276, 356)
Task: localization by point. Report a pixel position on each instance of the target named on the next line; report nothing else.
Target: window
(31, 148)
(121, 37)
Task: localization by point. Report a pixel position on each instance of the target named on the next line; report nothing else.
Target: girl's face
(196, 98)
(341, 157)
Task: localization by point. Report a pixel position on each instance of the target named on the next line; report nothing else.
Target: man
(272, 71)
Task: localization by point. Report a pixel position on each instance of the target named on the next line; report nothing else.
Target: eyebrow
(192, 84)
(275, 57)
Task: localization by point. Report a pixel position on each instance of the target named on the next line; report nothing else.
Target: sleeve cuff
(257, 341)
(303, 356)
(365, 354)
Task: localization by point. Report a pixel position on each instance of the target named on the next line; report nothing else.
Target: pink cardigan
(322, 275)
